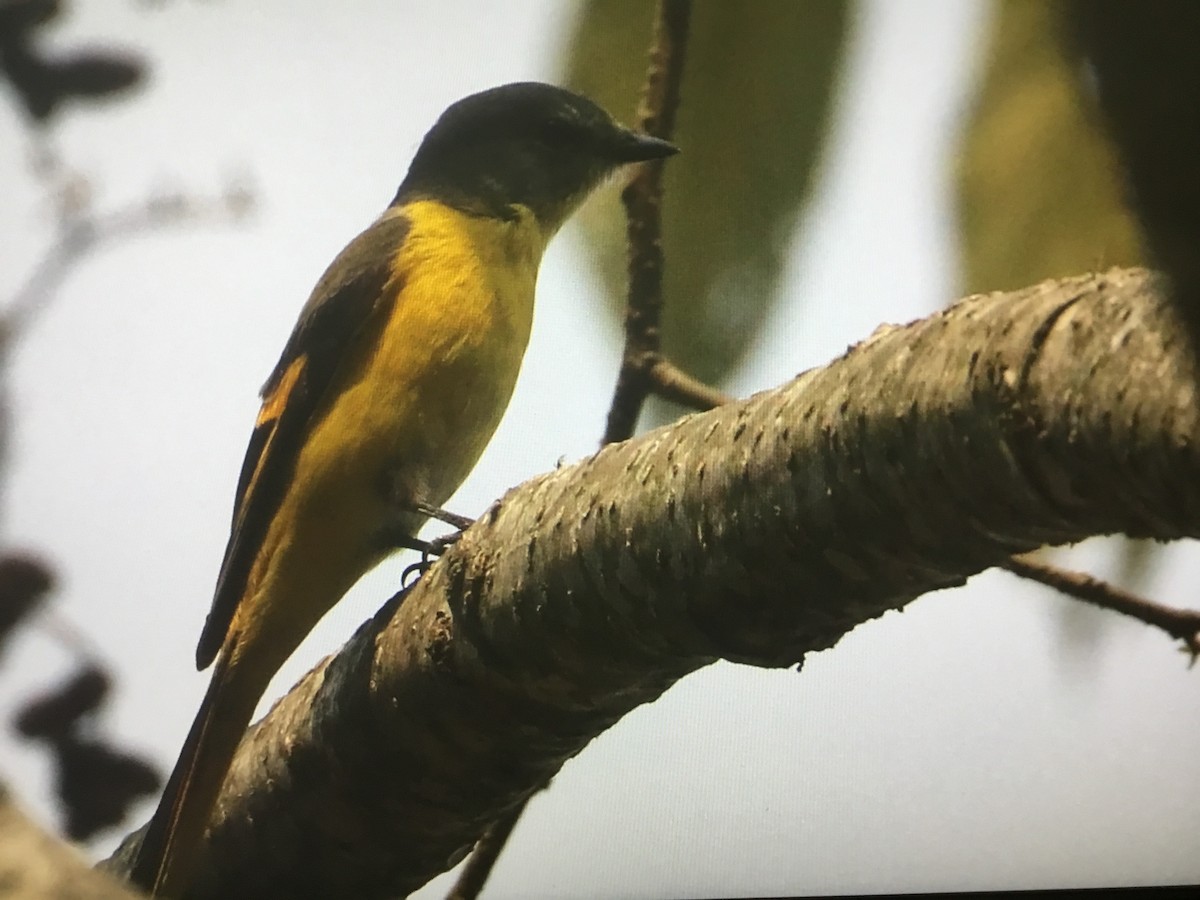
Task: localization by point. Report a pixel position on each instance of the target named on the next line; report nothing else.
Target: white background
(968, 743)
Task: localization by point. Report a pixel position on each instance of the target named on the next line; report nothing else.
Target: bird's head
(526, 144)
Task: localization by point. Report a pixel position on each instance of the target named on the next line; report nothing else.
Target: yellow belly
(410, 419)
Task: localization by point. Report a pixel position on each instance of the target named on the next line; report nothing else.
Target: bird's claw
(429, 552)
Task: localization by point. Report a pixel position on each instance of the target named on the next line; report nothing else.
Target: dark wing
(357, 286)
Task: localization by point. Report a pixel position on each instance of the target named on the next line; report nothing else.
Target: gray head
(525, 144)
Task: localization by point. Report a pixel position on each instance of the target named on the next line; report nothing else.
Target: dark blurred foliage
(53, 716)
(1145, 59)
(97, 783)
(43, 80)
(24, 583)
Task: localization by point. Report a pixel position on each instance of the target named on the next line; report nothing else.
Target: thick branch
(758, 532)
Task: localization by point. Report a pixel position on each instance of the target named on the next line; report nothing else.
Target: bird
(391, 384)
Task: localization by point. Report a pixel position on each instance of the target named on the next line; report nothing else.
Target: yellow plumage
(411, 418)
(410, 413)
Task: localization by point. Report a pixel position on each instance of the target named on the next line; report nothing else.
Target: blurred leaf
(1040, 192)
(757, 91)
(55, 715)
(21, 15)
(43, 82)
(97, 73)
(24, 583)
(99, 783)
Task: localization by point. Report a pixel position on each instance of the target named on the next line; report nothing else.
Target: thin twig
(1181, 624)
(479, 865)
(643, 206)
(672, 383)
(82, 233)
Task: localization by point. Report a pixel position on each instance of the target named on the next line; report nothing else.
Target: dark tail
(171, 844)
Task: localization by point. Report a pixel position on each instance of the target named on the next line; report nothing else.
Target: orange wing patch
(273, 404)
(266, 471)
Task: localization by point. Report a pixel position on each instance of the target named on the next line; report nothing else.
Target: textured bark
(757, 532)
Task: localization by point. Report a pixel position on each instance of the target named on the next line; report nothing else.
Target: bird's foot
(430, 550)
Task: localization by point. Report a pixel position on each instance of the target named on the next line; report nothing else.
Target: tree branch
(479, 865)
(82, 231)
(643, 208)
(1181, 624)
(758, 532)
(672, 383)
(36, 866)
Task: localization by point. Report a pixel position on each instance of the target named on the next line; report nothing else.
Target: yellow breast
(411, 416)
(452, 349)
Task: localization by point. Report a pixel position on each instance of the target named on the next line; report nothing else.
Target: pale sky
(965, 744)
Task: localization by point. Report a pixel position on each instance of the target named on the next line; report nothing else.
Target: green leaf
(1039, 184)
(757, 90)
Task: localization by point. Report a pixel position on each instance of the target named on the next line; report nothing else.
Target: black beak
(633, 146)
